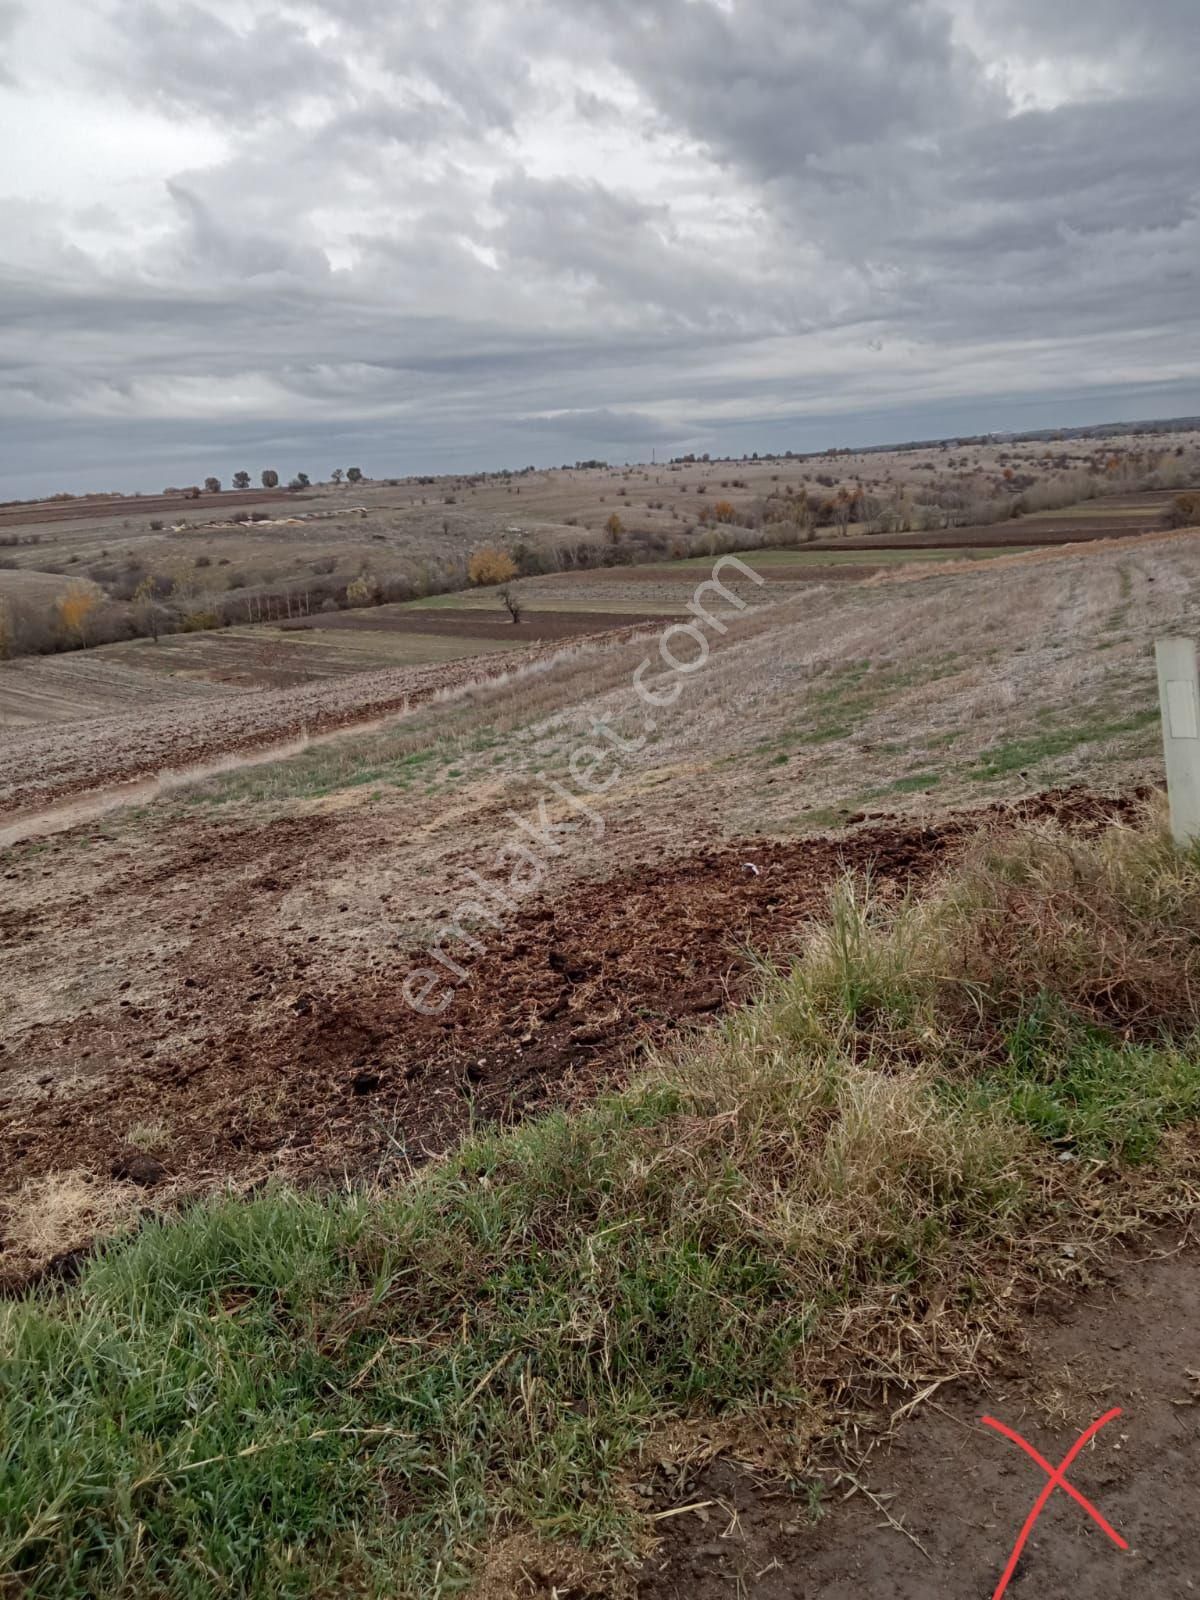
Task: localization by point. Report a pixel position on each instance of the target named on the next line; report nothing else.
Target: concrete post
(1179, 698)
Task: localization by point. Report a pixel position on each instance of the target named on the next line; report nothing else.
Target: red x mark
(1056, 1480)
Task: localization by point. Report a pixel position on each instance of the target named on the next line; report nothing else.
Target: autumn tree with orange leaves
(75, 606)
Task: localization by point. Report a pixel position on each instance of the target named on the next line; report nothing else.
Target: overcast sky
(475, 233)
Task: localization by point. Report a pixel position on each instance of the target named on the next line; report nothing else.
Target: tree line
(269, 479)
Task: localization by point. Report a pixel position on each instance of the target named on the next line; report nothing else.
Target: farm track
(262, 1052)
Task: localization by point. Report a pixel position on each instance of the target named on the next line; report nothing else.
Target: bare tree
(512, 604)
(213, 485)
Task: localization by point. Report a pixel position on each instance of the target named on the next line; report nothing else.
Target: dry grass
(64, 1211)
(1108, 925)
(449, 1379)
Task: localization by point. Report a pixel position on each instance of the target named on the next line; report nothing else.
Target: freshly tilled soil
(255, 1053)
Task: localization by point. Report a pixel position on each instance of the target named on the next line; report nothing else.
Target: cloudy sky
(474, 233)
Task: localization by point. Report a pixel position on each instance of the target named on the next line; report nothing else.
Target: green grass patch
(1086, 1089)
(914, 783)
(841, 701)
(298, 1396)
(1030, 753)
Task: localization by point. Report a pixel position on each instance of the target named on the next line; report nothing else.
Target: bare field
(56, 689)
(143, 676)
(44, 763)
(271, 657)
(476, 622)
(106, 508)
(17, 583)
(242, 924)
(229, 954)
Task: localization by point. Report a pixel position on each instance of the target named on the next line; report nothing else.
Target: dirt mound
(250, 1061)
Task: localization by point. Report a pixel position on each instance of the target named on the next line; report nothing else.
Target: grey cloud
(12, 12)
(772, 85)
(1155, 39)
(188, 58)
(602, 422)
(213, 245)
(476, 233)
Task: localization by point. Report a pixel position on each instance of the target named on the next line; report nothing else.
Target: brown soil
(249, 1043)
(470, 622)
(938, 1512)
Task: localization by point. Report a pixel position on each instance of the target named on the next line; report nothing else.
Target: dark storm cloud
(771, 86)
(481, 231)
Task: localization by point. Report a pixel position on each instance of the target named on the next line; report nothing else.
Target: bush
(490, 566)
(1184, 510)
(200, 621)
(363, 590)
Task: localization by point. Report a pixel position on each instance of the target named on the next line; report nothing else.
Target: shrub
(199, 621)
(1184, 510)
(75, 607)
(363, 590)
(489, 566)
